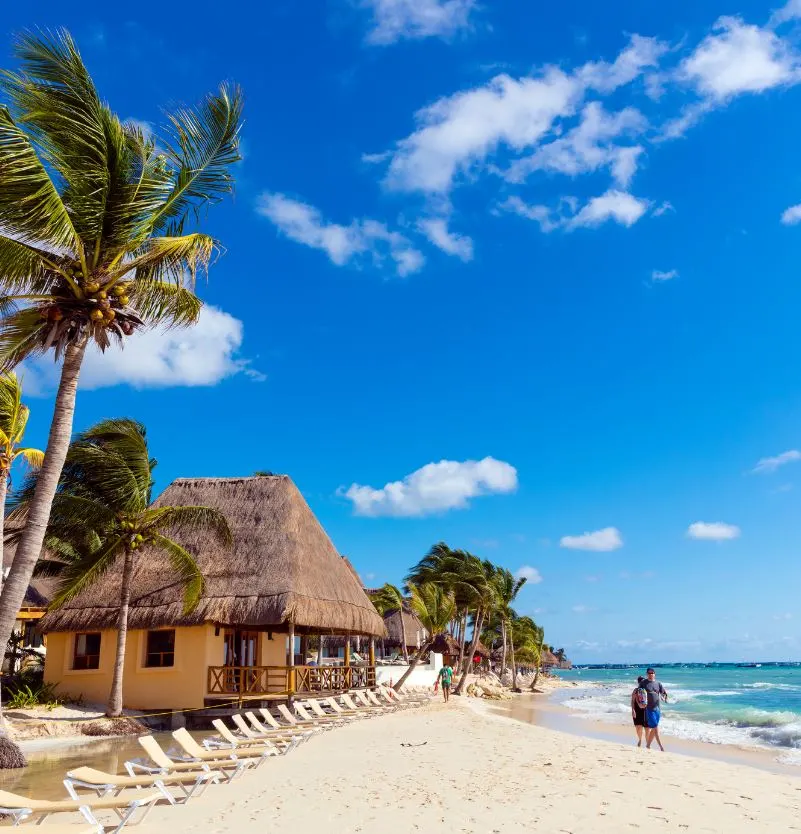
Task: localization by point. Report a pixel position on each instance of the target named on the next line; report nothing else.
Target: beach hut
(282, 580)
(404, 630)
(448, 647)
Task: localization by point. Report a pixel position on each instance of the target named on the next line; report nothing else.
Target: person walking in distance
(639, 701)
(445, 677)
(656, 693)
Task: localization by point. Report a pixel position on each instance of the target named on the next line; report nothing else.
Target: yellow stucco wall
(180, 686)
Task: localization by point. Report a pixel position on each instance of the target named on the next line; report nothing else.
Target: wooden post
(346, 675)
(370, 676)
(291, 659)
(347, 651)
(371, 650)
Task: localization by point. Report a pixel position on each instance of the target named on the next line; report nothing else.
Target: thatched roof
(482, 650)
(404, 628)
(445, 644)
(549, 658)
(282, 568)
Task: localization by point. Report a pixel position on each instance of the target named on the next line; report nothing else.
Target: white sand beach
(472, 771)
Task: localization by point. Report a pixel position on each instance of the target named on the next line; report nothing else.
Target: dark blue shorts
(652, 718)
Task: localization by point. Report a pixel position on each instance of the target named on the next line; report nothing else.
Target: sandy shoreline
(473, 771)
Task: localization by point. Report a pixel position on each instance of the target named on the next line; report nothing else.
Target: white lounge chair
(194, 751)
(293, 725)
(304, 735)
(366, 709)
(246, 743)
(226, 765)
(124, 805)
(190, 782)
(345, 712)
(303, 722)
(359, 696)
(304, 715)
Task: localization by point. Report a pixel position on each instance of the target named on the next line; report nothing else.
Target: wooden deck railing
(287, 680)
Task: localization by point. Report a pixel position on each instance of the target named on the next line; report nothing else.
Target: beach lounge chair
(190, 782)
(373, 699)
(304, 735)
(303, 722)
(304, 714)
(384, 697)
(318, 706)
(246, 742)
(360, 697)
(272, 721)
(124, 805)
(416, 698)
(367, 709)
(345, 712)
(226, 765)
(279, 737)
(193, 750)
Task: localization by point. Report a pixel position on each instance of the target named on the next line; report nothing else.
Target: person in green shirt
(445, 677)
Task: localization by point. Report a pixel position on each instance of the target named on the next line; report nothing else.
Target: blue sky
(556, 249)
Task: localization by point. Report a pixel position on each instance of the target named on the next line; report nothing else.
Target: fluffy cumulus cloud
(530, 574)
(395, 20)
(772, 464)
(197, 356)
(792, 215)
(600, 540)
(304, 224)
(716, 531)
(435, 488)
(739, 58)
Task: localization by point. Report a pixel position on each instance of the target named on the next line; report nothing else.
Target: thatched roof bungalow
(283, 576)
(404, 629)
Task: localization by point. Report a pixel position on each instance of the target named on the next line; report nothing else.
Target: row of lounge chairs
(176, 776)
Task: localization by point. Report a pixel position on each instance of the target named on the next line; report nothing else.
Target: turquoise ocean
(758, 705)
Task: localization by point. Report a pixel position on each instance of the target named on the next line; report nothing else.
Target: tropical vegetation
(99, 235)
(103, 516)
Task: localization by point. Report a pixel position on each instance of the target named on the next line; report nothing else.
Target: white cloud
(601, 540)
(436, 230)
(304, 224)
(588, 147)
(619, 206)
(657, 275)
(581, 609)
(772, 464)
(792, 215)
(713, 531)
(395, 20)
(436, 487)
(790, 11)
(739, 58)
(640, 54)
(196, 356)
(530, 574)
(665, 207)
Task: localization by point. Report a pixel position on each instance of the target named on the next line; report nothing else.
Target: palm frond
(165, 303)
(33, 457)
(176, 259)
(202, 145)
(185, 566)
(24, 268)
(188, 519)
(54, 97)
(30, 205)
(87, 570)
(22, 335)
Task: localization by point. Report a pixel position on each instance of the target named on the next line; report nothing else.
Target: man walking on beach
(656, 693)
(445, 677)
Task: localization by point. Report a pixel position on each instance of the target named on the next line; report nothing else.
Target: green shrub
(24, 696)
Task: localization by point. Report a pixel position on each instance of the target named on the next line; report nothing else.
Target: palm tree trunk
(414, 661)
(115, 696)
(514, 665)
(30, 545)
(3, 493)
(537, 671)
(462, 639)
(503, 650)
(473, 644)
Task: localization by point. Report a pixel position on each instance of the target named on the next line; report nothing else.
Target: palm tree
(13, 421)
(506, 589)
(386, 599)
(478, 577)
(435, 607)
(94, 240)
(102, 516)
